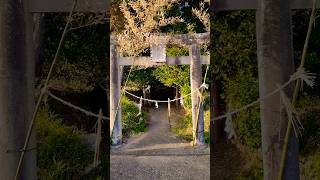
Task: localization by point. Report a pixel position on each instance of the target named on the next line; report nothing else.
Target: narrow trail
(159, 154)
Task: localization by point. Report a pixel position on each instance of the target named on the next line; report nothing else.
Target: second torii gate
(158, 57)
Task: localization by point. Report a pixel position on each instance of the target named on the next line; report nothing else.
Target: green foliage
(82, 63)
(234, 46)
(239, 92)
(233, 61)
(172, 50)
(61, 154)
(310, 140)
(234, 50)
(254, 173)
(190, 20)
(186, 130)
(309, 109)
(131, 122)
(173, 75)
(185, 89)
(183, 124)
(300, 20)
(140, 79)
(252, 168)
(312, 64)
(177, 75)
(310, 167)
(117, 19)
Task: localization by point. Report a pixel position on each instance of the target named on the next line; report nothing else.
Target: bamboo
(169, 112)
(296, 92)
(196, 80)
(98, 140)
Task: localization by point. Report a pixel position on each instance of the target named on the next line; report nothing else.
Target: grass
(132, 122)
(61, 153)
(310, 166)
(181, 122)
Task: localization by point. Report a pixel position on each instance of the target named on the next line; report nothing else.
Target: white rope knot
(157, 105)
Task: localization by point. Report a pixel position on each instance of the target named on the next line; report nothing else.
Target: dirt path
(159, 154)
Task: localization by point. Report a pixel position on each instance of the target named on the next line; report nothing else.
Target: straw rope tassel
(140, 106)
(181, 102)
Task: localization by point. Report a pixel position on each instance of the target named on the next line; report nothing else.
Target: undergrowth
(61, 152)
(182, 124)
(132, 122)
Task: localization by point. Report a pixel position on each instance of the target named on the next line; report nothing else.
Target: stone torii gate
(158, 57)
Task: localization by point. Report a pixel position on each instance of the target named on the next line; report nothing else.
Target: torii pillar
(197, 106)
(16, 89)
(276, 64)
(115, 92)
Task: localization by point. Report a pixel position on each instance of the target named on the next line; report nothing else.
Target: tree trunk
(16, 89)
(275, 61)
(215, 111)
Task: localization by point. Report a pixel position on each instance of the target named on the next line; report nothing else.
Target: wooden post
(98, 140)
(196, 81)
(115, 105)
(214, 107)
(215, 111)
(16, 89)
(275, 61)
(177, 95)
(169, 112)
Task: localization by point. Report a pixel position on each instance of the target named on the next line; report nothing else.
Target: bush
(183, 124)
(309, 109)
(248, 127)
(187, 100)
(61, 153)
(310, 167)
(240, 91)
(131, 123)
(252, 168)
(255, 172)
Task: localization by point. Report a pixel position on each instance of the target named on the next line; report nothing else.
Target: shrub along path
(159, 154)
